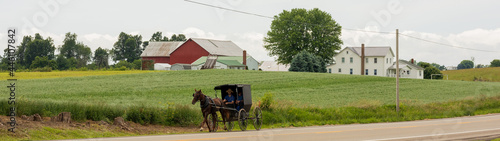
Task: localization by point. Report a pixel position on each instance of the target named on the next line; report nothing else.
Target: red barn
(158, 52)
(194, 48)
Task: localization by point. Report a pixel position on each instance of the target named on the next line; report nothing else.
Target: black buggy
(243, 114)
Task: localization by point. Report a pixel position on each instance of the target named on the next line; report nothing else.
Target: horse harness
(207, 102)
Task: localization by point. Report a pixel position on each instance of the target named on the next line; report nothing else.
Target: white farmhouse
(407, 69)
(376, 61)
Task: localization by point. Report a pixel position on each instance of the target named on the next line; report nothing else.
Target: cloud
(253, 42)
(193, 32)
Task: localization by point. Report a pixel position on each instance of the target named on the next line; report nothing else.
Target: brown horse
(208, 106)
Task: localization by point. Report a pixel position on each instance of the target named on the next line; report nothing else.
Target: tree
(21, 50)
(299, 30)
(465, 64)
(440, 67)
(101, 57)
(307, 62)
(73, 49)
(68, 49)
(128, 47)
(429, 70)
(62, 62)
(38, 47)
(480, 66)
(157, 36)
(41, 62)
(179, 37)
(83, 55)
(495, 63)
(432, 70)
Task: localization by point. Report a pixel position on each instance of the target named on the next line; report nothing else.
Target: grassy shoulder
(278, 115)
(491, 74)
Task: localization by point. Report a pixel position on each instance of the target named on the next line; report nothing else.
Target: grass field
(482, 74)
(175, 87)
(59, 74)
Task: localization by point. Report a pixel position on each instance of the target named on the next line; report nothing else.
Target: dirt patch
(25, 125)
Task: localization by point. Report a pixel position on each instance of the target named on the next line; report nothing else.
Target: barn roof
(372, 51)
(219, 47)
(160, 49)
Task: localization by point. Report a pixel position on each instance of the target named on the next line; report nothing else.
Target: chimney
(363, 59)
(244, 58)
(412, 61)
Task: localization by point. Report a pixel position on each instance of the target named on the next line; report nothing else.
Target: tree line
(36, 53)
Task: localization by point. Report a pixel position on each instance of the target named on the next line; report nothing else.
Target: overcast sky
(469, 24)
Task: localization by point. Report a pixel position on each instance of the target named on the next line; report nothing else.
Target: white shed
(162, 66)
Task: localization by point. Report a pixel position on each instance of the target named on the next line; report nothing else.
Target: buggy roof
(229, 85)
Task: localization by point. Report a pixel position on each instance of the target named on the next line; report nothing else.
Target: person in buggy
(239, 101)
(229, 99)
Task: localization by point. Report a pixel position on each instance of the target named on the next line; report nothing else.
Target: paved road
(463, 128)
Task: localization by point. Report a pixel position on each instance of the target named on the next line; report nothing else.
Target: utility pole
(397, 70)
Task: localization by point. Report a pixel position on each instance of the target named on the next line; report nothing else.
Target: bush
(137, 64)
(125, 64)
(44, 69)
(267, 101)
(307, 62)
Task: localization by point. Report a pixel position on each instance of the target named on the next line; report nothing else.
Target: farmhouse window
(375, 72)
(343, 60)
(366, 72)
(340, 70)
(375, 60)
(330, 70)
(350, 72)
(366, 60)
(351, 60)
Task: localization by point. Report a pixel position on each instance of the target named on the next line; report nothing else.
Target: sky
(460, 23)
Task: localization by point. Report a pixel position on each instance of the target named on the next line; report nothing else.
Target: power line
(358, 30)
(259, 15)
(446, 44)
(237, 11)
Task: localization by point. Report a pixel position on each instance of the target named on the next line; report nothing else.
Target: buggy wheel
(230, 126)
(211, 124)
(257, 122)
(242, 119)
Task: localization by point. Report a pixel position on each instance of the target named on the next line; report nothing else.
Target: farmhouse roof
(404, 63)
(372, 51)
(160, 49)
(219, 47)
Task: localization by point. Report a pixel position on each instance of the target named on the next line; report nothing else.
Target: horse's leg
(223, 115)
(203, 122)
(208, 125)
(214, 121)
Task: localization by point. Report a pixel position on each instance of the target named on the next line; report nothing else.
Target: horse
(208, 106)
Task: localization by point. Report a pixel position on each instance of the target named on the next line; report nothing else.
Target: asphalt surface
(463, 128)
